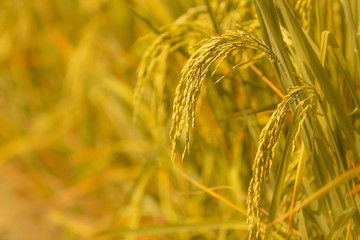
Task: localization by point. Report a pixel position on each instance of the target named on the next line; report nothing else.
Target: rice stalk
(268, 140)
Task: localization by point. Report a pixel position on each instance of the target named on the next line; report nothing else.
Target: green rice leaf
(340, 224)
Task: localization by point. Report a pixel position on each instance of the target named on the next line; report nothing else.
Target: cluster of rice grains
(268, 141)
(216, 49)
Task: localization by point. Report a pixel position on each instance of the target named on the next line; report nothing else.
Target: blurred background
(71, 157)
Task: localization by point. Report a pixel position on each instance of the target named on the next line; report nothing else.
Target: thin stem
(267, 81)
(146, 21)
(213, 20)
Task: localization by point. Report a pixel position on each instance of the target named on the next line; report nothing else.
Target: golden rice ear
(268, 141)
(215, 49)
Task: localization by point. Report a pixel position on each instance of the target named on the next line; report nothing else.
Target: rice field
(179, 119)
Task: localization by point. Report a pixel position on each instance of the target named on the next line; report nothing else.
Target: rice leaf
(340, 224)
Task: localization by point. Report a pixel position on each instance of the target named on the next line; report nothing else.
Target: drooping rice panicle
(215, 49)
(268, 141)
